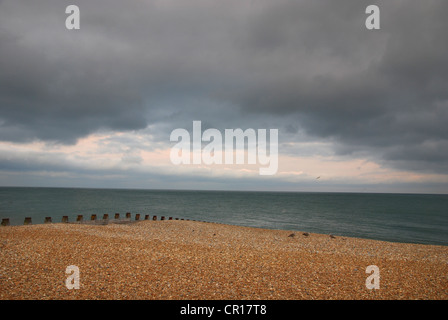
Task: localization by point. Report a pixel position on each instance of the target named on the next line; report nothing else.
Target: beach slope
(197, 260)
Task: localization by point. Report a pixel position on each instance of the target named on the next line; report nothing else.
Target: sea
(409, 218)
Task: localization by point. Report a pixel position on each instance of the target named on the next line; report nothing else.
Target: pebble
(166, 260)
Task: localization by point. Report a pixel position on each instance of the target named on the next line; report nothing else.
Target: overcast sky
(356, 109)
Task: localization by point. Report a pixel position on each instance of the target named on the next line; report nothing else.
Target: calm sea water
(415, 218)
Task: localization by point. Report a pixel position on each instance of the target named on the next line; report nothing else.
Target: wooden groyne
(95, 220)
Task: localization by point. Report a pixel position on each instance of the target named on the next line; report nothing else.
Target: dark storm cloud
(388, 100)
(308, 67)
(56, 85)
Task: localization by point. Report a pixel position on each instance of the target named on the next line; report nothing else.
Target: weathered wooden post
(146, 216)
(170, 218)
(117, 216)
(162, 218)
(106, 216)
(154, 218)
(79, 218)
(65, 219)
(47, 220)
(27, 220)
(93, 217)
(128, 215)
(137, 216)
(5, 222)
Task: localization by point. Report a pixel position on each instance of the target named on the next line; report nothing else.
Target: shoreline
(195, 260)
(110, 221)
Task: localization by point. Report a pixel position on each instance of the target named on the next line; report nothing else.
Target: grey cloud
(305, 67)
(395, 100)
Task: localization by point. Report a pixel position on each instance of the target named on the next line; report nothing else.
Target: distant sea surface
(412, 218)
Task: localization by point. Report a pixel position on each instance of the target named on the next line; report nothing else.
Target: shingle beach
(197, 260)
